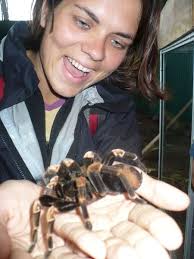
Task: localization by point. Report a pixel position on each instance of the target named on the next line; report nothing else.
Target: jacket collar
(18, 72)
(115, 98)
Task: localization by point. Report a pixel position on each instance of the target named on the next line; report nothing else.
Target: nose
(95, 48)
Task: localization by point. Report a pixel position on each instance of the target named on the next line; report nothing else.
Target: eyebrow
(95, 18)
(125, 35)
(89, 13)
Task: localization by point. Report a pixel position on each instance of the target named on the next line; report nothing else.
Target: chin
(69, 93)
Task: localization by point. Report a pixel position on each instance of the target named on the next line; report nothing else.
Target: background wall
(177, 19)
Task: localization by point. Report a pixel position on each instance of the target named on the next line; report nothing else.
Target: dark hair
(139, 69)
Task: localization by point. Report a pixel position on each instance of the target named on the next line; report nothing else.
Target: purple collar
(57, 104)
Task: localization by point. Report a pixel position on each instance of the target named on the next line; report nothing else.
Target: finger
(71, 256)
(158, 223)
(21, 254)
(119, 249)
(142, 242)
(5, 242)
(162, 194)
(61, 253)
(85, 240)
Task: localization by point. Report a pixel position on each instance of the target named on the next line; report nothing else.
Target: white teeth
(79, 66)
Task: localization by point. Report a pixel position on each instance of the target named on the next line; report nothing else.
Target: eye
(82, 24)
(118, 44)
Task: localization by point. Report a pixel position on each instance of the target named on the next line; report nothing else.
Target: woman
(48, 68)
(78, 61)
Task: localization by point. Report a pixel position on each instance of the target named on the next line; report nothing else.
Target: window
(18, 10)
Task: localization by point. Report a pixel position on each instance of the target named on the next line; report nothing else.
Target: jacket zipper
(12, 157)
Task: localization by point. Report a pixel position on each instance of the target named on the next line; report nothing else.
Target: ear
(44, 13)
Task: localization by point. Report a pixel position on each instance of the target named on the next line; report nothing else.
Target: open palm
(121, 228)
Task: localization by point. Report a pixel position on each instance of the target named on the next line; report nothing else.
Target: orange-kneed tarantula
(71, 186)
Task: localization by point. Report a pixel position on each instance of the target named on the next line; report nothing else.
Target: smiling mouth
(78, 66)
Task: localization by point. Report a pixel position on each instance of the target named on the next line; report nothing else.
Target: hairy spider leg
(130, 176)
(67, 169)
(131, 179)
(132, 156)
(50, 173)
(36, 210)
(50, 219)
(92, 161)
(91, 157)
(137, 161)
(115, 153)
(95, 178)
(81, 184)
(110, 158)
(81, 187)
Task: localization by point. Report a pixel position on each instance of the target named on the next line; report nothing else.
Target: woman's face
(88, 42)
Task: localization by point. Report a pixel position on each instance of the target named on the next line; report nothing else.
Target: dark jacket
(24, 152)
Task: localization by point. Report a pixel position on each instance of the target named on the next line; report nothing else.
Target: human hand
(129, 229)
(121, 228)
(15, 230)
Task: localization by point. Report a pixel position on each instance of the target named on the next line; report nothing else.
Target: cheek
(48, 47)
(63, 36)
(114, 60)
(58, 39)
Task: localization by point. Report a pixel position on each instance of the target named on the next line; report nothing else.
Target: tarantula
(72, 185)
